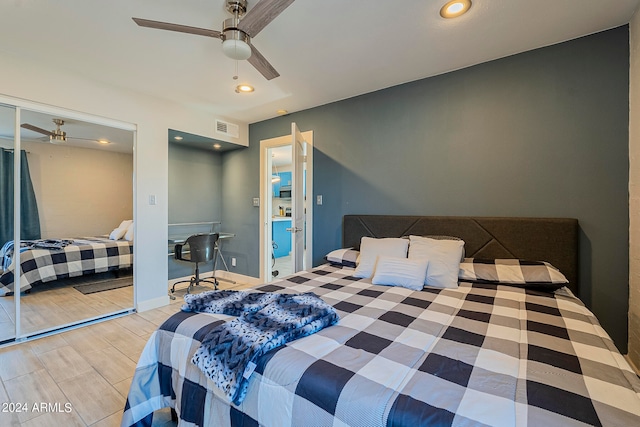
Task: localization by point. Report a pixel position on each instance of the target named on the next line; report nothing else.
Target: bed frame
(554, 240)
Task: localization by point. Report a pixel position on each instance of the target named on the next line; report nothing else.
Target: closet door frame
(19, 105)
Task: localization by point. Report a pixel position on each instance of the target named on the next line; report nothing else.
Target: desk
(218, 253)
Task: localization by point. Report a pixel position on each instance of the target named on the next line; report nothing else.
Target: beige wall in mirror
(80, 191)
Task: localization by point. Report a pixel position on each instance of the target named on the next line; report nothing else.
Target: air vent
(227, 128)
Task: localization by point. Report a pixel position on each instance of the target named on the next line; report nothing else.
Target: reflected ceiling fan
(56, 135)
(237, 31)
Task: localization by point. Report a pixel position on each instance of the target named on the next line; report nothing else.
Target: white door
(298, 196)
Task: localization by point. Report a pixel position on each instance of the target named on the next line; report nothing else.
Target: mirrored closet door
(7, 304)
(76, 215)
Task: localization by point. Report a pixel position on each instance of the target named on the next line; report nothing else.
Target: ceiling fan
(56, 135)
(237, 31)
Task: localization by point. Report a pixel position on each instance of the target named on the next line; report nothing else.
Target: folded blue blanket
(233, 303)
(52, 243)
(229, 353)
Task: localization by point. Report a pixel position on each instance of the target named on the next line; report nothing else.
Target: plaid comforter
(475, 355)
(85, 255)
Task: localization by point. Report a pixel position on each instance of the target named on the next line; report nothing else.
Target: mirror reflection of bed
(84, 192)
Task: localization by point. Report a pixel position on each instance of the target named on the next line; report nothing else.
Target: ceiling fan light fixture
(235, 43)
(236, 49)
(455, 8)
(58, 138)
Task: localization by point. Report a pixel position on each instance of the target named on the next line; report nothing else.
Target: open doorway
(281, 165)
(286, 180)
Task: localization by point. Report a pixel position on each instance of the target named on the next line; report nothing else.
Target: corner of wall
(634, 190)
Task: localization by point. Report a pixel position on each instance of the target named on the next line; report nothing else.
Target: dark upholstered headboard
(554, 240)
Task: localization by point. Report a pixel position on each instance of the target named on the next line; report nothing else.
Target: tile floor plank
(34, 388)
(94, 402)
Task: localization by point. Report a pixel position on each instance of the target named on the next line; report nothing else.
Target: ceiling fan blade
(83, 139)
(36, 129)
(261, 64)
(177, 27)
(261, 14)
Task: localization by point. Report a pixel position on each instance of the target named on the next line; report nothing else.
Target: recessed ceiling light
(177, 138)
(217, 146)
(244, 88)
(281, 112)
(103, 141)
(455, 8)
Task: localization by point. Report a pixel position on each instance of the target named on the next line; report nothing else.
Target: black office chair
(201, 248)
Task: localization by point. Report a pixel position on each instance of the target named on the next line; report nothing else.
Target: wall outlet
(256, 201)
(233, 261)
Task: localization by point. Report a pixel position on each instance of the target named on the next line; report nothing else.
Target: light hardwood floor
(79, 377)
(55, 304)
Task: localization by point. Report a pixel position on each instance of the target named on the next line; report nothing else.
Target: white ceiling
(325, 50)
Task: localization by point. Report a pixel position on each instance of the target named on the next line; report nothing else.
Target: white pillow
(408, 273)
(118, 233)
(443, 256)
(371, 249)
(129, 234)
(125, 224)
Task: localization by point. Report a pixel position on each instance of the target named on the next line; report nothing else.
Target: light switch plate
(319, 199)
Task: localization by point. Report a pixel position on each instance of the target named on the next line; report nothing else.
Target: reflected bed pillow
(443, 256)
(343, 257)
(129, 234)
(120, 231)
(514, 272)
(371, 249)
(408, 273)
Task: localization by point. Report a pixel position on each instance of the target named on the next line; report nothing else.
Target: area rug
(105, 285)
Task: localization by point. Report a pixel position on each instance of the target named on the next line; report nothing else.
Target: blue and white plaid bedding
(265, 321)
(476, 355)
(85, 255)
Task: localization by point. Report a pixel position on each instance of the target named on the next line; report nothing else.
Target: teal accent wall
(195, 195)
(539, 134)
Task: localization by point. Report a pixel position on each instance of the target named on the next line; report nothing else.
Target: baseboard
(152, 303)
(633, 366)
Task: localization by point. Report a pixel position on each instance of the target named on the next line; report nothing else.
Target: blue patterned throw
(232, 303)
(229, 353)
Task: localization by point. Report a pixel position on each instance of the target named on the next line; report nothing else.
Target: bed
(478, 354)
(52, 259)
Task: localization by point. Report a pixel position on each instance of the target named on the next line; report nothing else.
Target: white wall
(634, 191)
(153, 117)
(80, 191)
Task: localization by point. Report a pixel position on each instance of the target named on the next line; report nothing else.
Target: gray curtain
(29, 219)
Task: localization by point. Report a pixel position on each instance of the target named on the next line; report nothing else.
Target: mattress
(480, 354)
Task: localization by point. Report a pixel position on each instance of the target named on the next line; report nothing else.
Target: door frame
(265, 199)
